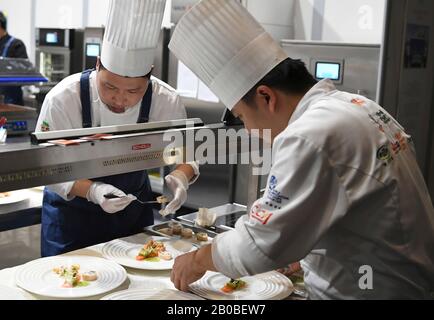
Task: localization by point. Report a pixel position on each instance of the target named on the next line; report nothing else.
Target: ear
(267, 98)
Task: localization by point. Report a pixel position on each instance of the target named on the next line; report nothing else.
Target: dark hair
(290, 76)
(145, 76)
(3, 21)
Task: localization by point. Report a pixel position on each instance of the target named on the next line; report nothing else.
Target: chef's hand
(185, 271)
(191, 267)
(177, 182)
(290, 269)
(96, 194)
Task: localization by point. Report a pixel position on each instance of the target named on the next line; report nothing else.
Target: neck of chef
(267, 109)
(288, 105)
(3, 32)
(285, 106)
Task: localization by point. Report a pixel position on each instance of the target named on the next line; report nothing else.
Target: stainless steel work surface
(227, 215)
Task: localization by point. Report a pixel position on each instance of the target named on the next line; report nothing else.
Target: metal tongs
(113, 196)
(163, 213)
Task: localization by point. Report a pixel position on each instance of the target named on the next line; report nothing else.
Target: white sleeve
(304, 198)
(179, 109)
(62, 189)
(52, 118)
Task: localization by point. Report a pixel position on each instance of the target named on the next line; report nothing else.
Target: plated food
(38, 276)
(265, 286)
(5, 194)
(153, 251)
(72, 276)
(232, 285)
(157, 254)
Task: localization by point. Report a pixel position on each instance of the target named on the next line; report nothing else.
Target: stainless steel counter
(23, 213)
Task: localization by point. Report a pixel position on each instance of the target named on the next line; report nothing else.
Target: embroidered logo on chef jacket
(397, 138)
(383, 154)
(381, 119)
(45, 126)
(260, 214)
(400, 143)
(358, 102)
(273, 194)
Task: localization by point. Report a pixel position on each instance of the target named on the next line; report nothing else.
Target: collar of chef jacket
(322, 88)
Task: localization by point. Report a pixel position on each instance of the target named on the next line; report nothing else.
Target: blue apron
(70, 225)
(12, 94)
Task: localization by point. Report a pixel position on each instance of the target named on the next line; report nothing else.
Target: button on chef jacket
(346, 198)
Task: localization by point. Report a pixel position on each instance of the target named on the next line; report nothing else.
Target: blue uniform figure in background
(11, 47)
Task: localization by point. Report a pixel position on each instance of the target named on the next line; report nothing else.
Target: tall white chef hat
(131, 36)
(225, 47)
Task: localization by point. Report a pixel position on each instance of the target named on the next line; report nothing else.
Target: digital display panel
(51, 37)
(92, 49)
(328, 70)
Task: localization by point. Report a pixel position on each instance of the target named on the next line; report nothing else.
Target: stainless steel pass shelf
(24, 165)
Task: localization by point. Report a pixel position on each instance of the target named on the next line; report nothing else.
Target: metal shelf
(24, 165)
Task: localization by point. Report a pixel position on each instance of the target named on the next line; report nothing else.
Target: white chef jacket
(62, 110)
(343, 195)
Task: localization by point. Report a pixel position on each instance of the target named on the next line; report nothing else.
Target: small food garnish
(89, 276)
(165, 255)
(187, 233)
(162, 199)
(4, 194)
(176, 228)
(232, 285)
(201, 236)
(72, 276)
(151, 249)
(166, 231)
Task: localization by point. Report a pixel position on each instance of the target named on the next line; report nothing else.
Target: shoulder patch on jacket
(45, 126)
(260, 214)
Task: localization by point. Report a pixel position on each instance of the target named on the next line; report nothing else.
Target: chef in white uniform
(344, 195)
(120, 91)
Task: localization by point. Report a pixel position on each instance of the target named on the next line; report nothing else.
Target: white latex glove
(96, 194)
(177, 182)
(205, 218)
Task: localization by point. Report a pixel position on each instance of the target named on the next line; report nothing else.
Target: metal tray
(156, 227)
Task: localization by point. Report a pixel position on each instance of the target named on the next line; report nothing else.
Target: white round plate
(14, 197)
(125, 253)
(8, 293)
(38, 277)
(151, 294)
(265, 286)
